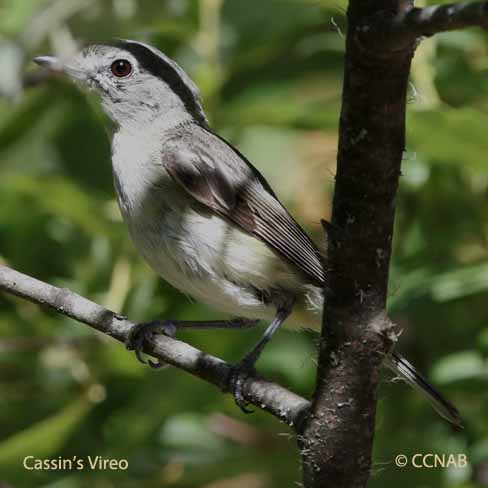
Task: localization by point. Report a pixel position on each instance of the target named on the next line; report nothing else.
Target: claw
(138, 351)
(142, 332)
(157, 364)
(235, 383)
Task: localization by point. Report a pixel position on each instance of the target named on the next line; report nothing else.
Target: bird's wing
(219, 177)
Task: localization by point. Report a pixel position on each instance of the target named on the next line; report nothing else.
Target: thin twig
(258, 391)
(383, 34)
(441, 18)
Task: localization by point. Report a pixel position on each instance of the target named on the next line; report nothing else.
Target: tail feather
(407, 371)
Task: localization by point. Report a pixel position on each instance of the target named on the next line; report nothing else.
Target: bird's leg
(246, 365)
(144, 331)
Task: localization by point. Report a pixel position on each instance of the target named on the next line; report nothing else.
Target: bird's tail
(407, 371)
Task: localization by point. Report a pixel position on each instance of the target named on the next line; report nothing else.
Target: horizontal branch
(258, 391)
(441, 18)
(383, 34)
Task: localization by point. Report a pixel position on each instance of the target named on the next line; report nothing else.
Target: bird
(199, 213)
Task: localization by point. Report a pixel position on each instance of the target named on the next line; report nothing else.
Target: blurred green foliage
(270, 74)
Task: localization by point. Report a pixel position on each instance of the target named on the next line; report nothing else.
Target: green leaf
(16, 121)
(60, 197)
(44, 438)
(450, 136)
(460, 366)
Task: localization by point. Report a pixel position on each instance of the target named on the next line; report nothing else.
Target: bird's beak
(49, 62)
(55, 65)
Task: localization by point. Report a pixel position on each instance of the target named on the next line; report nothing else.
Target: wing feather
(219, 177)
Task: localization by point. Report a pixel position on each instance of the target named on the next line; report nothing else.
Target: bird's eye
(121, 68)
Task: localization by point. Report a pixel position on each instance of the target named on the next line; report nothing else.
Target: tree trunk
(337, 438)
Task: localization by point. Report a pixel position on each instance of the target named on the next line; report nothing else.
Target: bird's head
(136, 82)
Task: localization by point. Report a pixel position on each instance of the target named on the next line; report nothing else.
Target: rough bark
(337, 439)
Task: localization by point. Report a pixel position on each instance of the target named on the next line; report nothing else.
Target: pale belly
(216, 263)
(203, 255)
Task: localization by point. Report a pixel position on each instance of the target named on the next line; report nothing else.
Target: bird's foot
(236, 380)
(144, 331)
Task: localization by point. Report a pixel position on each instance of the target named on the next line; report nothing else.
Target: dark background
(270, 75)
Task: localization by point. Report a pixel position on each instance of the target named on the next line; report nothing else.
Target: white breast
(196, 251)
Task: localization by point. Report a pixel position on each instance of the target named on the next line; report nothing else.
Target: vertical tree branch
(337, 439)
